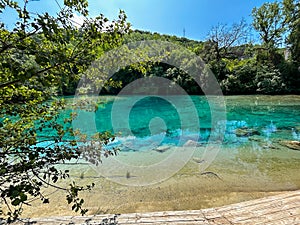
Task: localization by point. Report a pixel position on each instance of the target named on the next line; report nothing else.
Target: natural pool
(259, 154)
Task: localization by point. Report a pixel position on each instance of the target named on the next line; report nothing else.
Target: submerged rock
(246, 132)
(191, 143)
(295, 145)
(257, 139)
(211, 174)
(270, 146)
(162, 148)
(198, 160)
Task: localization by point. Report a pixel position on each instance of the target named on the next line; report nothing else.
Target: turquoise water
(156, 118)
(249, 132)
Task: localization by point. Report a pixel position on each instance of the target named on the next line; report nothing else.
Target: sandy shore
(231, 181)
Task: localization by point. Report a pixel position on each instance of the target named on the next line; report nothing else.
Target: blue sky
(164, 16)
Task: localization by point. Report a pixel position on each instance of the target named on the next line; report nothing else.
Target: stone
(295, 145)
(191, 143)
(162, 148)
(198, 160)
(246, 132)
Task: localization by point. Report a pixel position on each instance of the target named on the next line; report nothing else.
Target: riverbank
(236, 175)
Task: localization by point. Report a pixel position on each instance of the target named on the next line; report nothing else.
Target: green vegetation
(240, 66)
(40, 58)
(43, 56)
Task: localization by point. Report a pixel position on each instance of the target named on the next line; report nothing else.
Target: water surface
(255, 160)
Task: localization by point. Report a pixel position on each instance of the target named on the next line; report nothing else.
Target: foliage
(274, 21)
(291, 76)
(237, 67)
(269, 81)
(41, 57)
(222, 37)
(138, 35)
(270, 22)
(291, 11)
(241, 79)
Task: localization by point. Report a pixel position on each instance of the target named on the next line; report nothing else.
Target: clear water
(157, 124)
(247, 167)
(273, 117)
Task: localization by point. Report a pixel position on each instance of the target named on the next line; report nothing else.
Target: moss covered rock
(295, 145)
(246, 132)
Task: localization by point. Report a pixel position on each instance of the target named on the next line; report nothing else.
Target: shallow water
(157, 168)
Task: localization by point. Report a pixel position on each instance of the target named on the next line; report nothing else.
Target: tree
(223, 37)
(276, 22)
(291, 10)
(269, 21)
(241, 78)
(38, 58)
(221, 41)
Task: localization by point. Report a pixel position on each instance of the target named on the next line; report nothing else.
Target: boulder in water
(162, 148)
(295, 145)
(246, 132)
(191, 143)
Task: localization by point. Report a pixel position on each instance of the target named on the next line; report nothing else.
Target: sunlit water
(266, 159)
(268, 119)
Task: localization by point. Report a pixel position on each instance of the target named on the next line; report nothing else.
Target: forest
(270, 65)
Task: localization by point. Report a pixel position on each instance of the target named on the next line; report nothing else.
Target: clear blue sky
(164, 16)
